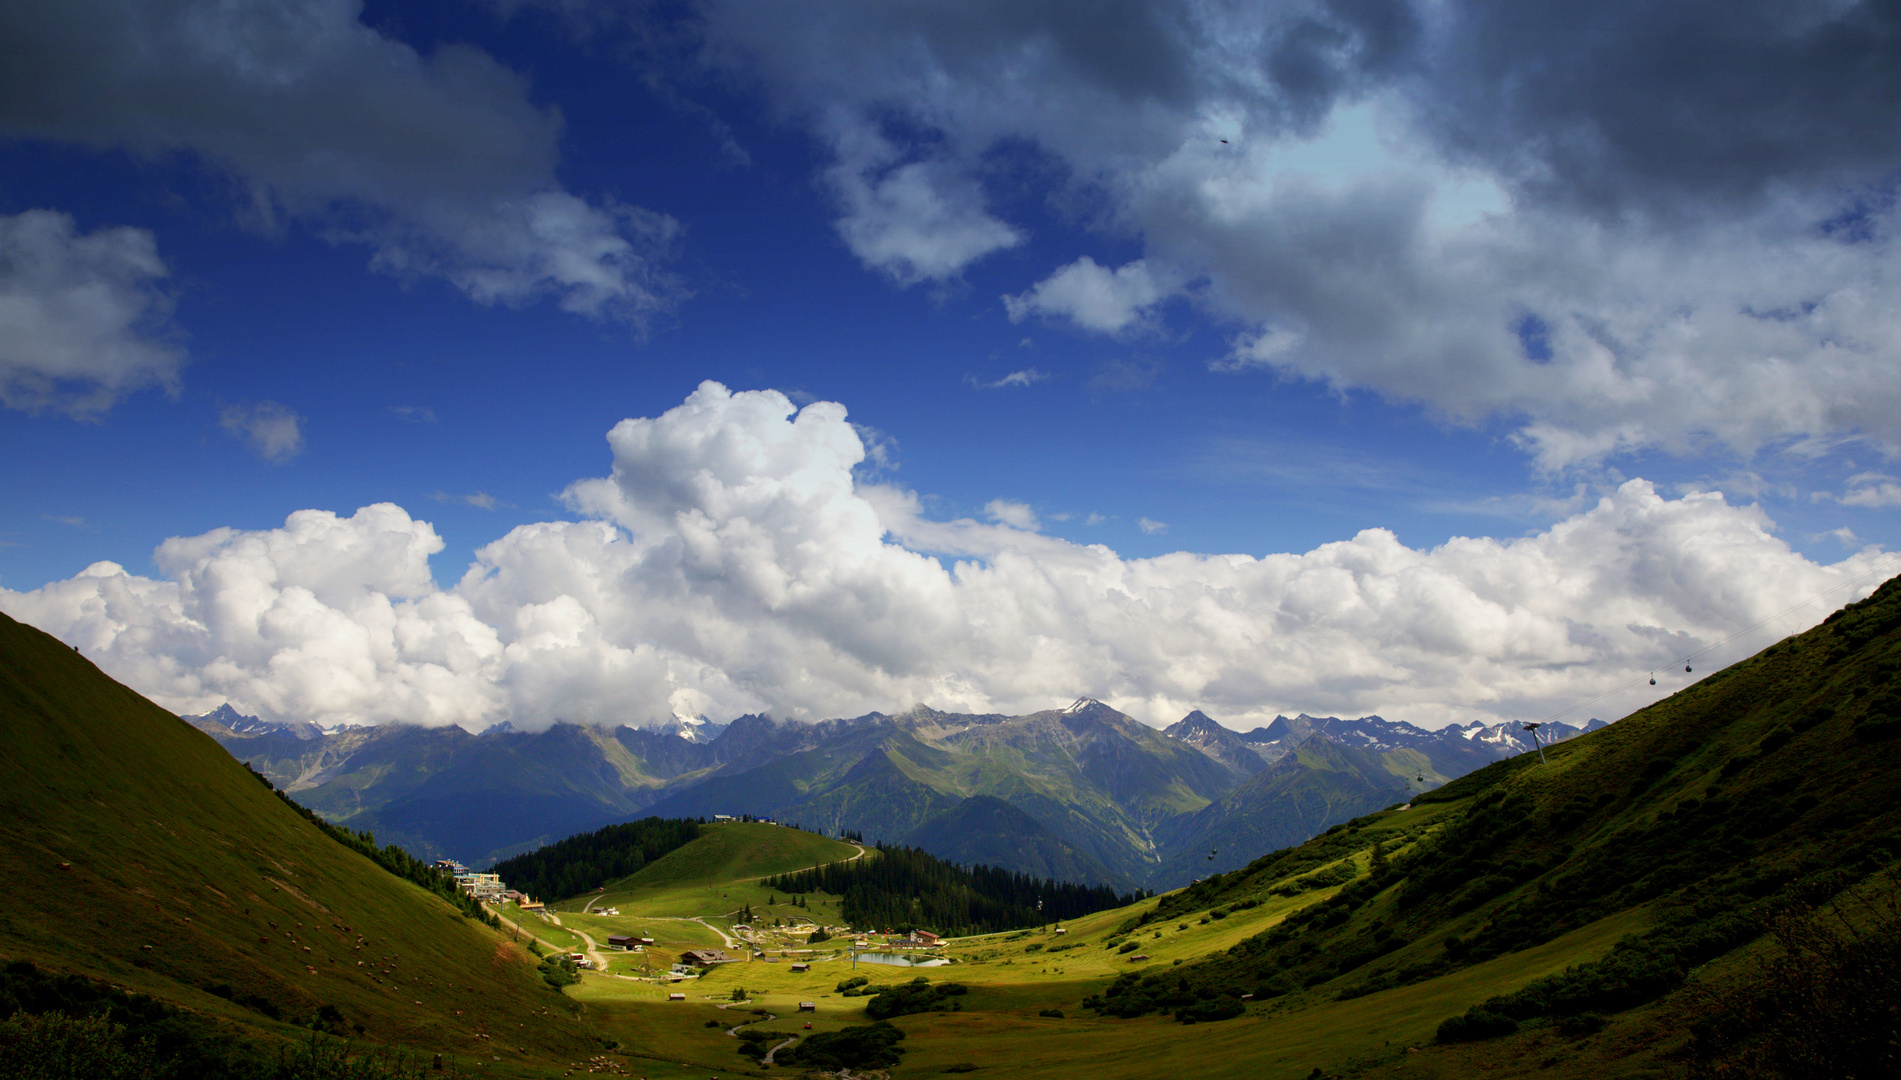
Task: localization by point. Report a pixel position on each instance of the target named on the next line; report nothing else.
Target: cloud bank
(84, 319)
(439, 163)
(731, 562)
(1608, 228)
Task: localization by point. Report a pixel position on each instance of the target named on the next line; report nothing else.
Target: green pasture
(731, 851)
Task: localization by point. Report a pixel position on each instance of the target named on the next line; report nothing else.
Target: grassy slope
(1758, 781)
(1014, 976)
(172, 844)
(719, 871)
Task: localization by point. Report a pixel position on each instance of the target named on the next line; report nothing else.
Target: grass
(156, 862)
(726, 854)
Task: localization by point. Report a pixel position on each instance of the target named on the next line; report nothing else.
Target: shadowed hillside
(155, 862)
(1761, 793)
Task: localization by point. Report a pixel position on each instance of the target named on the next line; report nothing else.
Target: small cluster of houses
(484, 886)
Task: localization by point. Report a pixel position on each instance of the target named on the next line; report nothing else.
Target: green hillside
(139, 853)
(1706, 888)
(737, 851)
(1766, 789)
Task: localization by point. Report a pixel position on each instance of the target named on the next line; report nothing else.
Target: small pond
(901, 960)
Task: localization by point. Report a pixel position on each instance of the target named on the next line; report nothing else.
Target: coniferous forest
(588, 861)
(905, 888)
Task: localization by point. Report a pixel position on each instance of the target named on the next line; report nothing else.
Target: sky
(543, 360)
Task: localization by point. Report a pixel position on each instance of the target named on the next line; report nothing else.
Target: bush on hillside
(874, 1046)
(919, 995)
(1825, 1004)
(1477, 1023)
(559, 971)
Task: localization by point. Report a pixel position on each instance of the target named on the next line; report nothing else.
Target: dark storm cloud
(1621, 105)
(1338, 48)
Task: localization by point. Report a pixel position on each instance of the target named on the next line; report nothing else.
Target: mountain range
(1083, 793)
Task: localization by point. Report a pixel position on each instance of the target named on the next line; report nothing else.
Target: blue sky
(1167, 278)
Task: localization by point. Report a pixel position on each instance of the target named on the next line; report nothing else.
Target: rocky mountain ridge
(1083, 788)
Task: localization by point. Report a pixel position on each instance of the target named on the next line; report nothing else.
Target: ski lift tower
(1533, 728)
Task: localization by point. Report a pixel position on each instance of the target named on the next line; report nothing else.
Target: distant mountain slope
(1110, 792)
(442, 792)
(1096, 781)
(155, 861)
(1319, 784)
(985, 830)
(1228, 747)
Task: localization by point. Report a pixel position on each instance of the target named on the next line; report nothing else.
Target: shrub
(1477, 1023)
(917, 996)
(1583, 1024)
(869, 1047)
(1218, 1009)
(559, 971)
(56, 1045)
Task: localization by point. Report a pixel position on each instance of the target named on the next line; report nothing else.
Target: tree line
(906, 888)
(587, 861)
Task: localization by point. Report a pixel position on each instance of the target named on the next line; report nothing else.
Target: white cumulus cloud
(1092, 296)
(274, 432)
(732, 559)
(84, 319)
(1868, 489)
(1017, 515)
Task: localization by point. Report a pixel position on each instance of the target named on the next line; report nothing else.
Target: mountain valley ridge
(1083, 793)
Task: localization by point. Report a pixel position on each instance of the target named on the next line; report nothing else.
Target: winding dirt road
(776, 1047)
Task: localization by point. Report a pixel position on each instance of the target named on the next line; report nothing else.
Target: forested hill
(585, 862)
(905, 888)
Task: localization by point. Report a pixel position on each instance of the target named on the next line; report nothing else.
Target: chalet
(480, 886)
(623, 941)
(676, 997)
(925, 937)
(704, 957)
(808, 1006)
(801, 967)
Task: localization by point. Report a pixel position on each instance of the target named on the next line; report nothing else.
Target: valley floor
(1002, 1026)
